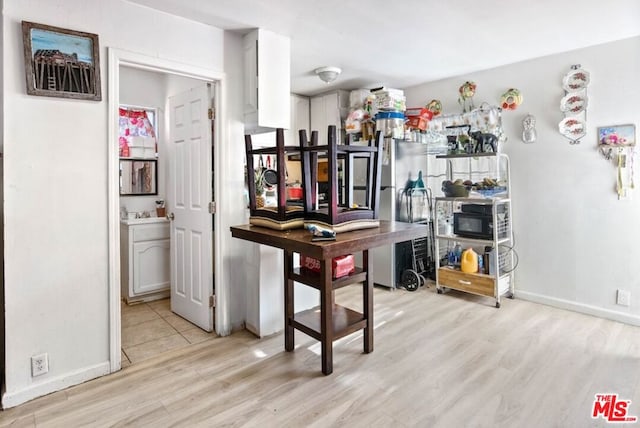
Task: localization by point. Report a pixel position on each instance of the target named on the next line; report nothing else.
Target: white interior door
(189, 193)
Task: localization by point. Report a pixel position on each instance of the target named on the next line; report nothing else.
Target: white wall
(577, 242)
(238, 254)
(55, 181)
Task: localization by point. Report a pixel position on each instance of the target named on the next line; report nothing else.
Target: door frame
(118, 58)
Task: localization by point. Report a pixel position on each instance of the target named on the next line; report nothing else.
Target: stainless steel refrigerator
(402, 165)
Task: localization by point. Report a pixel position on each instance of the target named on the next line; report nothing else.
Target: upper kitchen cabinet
(299, 118)
(267, 84)
(329, 109)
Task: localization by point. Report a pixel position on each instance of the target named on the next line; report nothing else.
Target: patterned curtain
(134, 123)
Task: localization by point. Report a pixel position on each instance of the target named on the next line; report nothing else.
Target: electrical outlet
(623, 298)
(39, 364)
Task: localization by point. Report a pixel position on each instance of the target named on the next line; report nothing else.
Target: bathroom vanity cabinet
(144, 259)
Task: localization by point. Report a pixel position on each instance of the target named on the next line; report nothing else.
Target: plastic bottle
(457, 254)
(469, 261)
(419, 184)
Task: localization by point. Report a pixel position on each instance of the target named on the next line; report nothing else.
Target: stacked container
(390, 118)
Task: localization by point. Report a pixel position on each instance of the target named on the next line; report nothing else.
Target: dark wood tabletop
(299, 240)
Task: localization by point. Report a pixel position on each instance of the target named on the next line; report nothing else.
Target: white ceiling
(404, 43)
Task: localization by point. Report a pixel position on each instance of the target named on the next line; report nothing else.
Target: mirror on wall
(138, 177)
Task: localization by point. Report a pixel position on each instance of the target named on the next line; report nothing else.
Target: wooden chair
(339, 212)
(286, 214)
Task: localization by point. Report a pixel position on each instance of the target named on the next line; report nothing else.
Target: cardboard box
(323, 171)
(418, 118)
(340, 266)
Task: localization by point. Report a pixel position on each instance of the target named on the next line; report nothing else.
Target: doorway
(124, 67)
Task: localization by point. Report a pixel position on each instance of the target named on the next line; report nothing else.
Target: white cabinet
(267, 83)
(144, 259)
(328, 109)
(300, 118)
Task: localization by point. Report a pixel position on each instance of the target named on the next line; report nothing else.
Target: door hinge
(212, 113)
(212, 207)
(212, 301)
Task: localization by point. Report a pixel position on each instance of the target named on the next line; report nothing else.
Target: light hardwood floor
(448, 360)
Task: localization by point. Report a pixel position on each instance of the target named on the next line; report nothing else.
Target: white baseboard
(252, 329)
(14, 398)
(579, 307)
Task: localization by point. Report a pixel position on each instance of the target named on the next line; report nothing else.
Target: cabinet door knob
(170, 216)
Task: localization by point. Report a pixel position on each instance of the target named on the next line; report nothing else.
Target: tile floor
(149, 329)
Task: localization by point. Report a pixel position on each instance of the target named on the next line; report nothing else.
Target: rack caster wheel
(510, 296)
(497, 305)
(410, 280)
(439, 290)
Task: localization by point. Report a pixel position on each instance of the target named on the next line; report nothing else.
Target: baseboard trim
(252, 329)
(579, 307)
(12, 399)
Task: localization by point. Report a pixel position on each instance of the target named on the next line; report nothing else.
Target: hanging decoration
(467, 91)
(435, 107)
(511, 99)
(574, 104)
(617, 143)
(529, 133)
(133, 123)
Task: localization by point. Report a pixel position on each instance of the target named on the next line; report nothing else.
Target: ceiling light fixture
(328, 74)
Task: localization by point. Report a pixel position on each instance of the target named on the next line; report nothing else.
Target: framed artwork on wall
(617, 135)
(60, 62)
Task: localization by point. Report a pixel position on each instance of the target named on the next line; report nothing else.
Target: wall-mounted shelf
(467, 155)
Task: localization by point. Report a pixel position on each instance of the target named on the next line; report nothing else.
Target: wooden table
(333, 321)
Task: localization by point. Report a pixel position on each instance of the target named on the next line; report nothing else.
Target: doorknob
(170, 216)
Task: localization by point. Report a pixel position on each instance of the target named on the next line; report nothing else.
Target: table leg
(367, 303)
(288, 301)
(326, 317)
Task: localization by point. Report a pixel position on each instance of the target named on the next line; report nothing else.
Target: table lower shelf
(313, 279)
(345, 322)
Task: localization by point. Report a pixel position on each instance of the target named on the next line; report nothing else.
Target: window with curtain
(135, 122)
(137, 140)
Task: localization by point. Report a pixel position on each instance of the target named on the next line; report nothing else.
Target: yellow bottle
(469, 261)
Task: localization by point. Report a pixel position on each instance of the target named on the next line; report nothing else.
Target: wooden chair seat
(339, 212)
(285, 215)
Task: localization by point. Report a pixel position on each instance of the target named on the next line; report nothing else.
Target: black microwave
(473, 225)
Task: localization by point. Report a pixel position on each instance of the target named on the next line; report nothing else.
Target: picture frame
(60, 62)
(617, 135)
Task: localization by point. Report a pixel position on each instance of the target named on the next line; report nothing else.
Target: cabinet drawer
(469, 282)
(148, 232)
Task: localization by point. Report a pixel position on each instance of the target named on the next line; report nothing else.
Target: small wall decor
(511, 99)
(529, 134)
(617, 136)
(467, 91)
(574, 104)
(617, 143)
(435, 107)
(60, 62)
